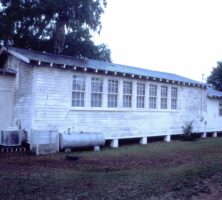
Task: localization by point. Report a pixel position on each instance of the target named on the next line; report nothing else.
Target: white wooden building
(45, 91)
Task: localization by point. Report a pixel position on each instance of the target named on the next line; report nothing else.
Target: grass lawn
(176, 170)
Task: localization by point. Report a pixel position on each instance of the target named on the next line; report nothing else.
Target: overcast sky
(178, 36)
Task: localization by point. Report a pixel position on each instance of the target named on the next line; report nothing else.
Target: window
(173, 98)
(140, 95)
(220, 108)
(127, 94)
(164, 94)
(152, 96)
(78, 91)
(96, 92)
(112, 93)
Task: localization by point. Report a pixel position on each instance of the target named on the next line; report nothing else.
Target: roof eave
(113, 73)
(214, 96)
(17, 55)
(7, 73)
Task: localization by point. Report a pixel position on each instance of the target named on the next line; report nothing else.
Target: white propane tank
(76, 140)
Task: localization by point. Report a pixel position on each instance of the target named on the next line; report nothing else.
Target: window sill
(122, 109)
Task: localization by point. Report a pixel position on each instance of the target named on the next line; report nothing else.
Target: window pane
(96, 92)
(112, 100)
(141, 89)
(152, 102)
(174, 92)
(163, 103)
(153, 90)
(112, 93)
(140, 95)
(153, 96)
(173, 98)
(173, 104)
(127, 87)
(164, 94)
(78, 93)
(127, 94)
(113, 86)
(140, 101)
(97, 85)
(163, 91)
(78, 83)
(127, 101)
(96, 100)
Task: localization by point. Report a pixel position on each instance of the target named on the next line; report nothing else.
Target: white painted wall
(23, 92)
(43, 101)
(214, 121)
(6, 101)
(53, 109)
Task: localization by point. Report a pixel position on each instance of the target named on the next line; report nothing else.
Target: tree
(216, 77)
(61, 26)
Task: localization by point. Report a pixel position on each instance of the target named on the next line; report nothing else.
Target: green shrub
(188, 134)
(188, 128)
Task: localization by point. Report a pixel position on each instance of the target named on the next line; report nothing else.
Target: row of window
(79, 90)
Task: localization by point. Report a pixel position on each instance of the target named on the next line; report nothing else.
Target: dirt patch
(124, 162)
(206, 189)
(156, 171)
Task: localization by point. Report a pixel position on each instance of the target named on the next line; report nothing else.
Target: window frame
(153, 98)
(140, 95)
(95, 94)
(127, 97)
(110, 94)
(81, 92)
(164, 97)
(174, 100)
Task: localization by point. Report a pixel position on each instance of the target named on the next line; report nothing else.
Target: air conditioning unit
(10, 137)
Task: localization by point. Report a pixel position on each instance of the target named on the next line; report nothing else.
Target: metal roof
(101, 66)
(213, 93)
(8, 72)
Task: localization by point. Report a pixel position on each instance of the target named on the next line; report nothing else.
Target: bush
(188, 134)
(188, 128)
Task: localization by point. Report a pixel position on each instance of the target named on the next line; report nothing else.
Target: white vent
(10, 137)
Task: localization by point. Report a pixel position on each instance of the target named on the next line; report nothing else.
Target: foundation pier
(143, 140)
(215, 134)
(204, 135)
(114, 143)
(167, 138)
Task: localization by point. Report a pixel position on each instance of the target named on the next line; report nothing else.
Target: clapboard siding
(53, 110)
(23, 92)
(6, 101)
(6, 82)
(214, 121)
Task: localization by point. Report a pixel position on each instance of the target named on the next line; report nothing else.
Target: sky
(177, 36)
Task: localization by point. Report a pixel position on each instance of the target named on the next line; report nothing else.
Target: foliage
(216, 77)
(188, 134)
(188, 128)
(61, 26)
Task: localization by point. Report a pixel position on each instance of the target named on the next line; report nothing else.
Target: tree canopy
(61, 26)
(216, 77)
